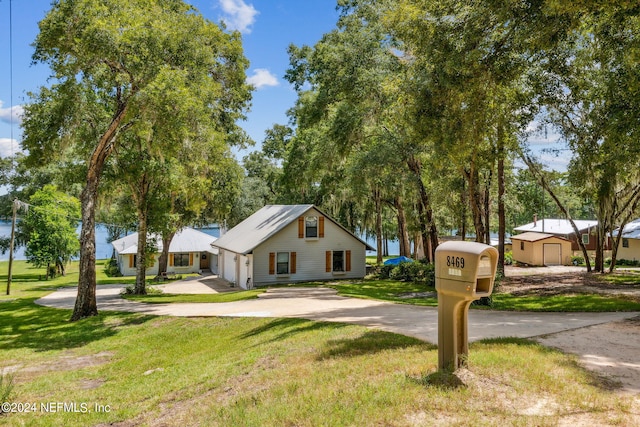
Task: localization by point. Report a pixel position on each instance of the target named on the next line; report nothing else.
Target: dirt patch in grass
(564, 282)
(66, 362)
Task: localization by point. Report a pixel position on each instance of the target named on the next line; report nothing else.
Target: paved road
(323, 304)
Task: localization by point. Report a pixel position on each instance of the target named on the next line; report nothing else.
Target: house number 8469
(455, 261)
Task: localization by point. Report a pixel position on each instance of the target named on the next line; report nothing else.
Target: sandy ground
(612, 350)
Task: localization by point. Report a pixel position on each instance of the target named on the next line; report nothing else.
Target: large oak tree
(115, 64)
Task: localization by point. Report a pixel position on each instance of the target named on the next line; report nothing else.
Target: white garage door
(552, 253)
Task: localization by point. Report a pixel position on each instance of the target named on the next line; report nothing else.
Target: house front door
(205, 262)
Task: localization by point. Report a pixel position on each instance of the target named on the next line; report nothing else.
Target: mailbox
(465, 271)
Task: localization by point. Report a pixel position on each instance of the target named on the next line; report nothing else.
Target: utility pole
(13, 236)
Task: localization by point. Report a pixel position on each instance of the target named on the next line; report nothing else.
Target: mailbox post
(465, 271)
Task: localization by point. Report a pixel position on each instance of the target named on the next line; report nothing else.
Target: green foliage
(7, 383)
(49, 229)
(419, 272)
(626, 262)
(154, 84)
(577, 260)
(111, 268)
(508, 258)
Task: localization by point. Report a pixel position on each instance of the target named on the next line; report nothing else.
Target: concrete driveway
(324, 304)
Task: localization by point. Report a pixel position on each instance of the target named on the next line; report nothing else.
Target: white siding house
(190, 251)
(289, 243)
(629, 248)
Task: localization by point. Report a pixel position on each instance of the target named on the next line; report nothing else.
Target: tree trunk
(141, 198)
(86, 305)
(599, 261)
(463, 203)
(141, 258)
(487, 211)
(378, 203)
(61, 268)
(163, 260)
(476, 201)
(403, 232)
(428, 229)
(501, 191)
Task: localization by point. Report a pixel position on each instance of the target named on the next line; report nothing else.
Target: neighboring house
(289, 243)
(629, 248)
(541, 249)
(190, 251)
(562, 228)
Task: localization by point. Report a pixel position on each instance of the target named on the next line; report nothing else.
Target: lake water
(104, 249)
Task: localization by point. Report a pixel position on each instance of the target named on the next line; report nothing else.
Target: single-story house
(629, 248)
(190, 251)
(562, 228)
(541, 249)
(287, 244)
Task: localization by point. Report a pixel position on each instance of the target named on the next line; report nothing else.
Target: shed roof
(259, 227)
(185, 240)
(556, 226)
(534, 237)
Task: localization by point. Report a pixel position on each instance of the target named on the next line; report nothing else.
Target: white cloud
(238, 14)
(9, 147)
(261, 78)
(7, 113)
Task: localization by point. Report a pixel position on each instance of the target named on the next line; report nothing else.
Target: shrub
(627, 262)
(410, 272)
(508, 258)
(577, 260)
(111, 268)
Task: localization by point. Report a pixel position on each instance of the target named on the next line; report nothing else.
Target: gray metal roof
(259, 227)
(556, 226)
(630, 231)
(185, 240)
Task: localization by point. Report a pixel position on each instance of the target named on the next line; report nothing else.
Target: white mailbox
(465, 271)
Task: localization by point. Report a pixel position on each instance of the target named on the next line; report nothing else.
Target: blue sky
(267, 27)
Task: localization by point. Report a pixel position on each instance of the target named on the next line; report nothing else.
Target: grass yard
(145, 370)
(27, 280)
(563, 303)
(419, 294)
(134, 369)
(160, 298)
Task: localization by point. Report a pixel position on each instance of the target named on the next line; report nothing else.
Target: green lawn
(399, 292)
(25, 276)
(564, 303)
(147, 370)
(631, 278)
(159, 298)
